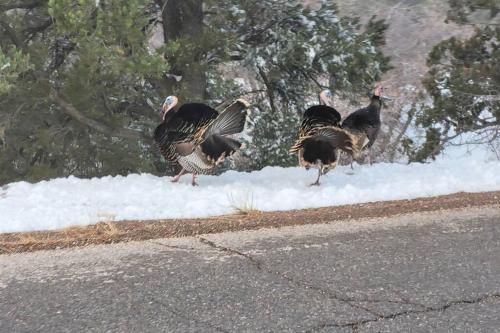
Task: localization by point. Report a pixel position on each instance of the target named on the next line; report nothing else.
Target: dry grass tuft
(243, 205)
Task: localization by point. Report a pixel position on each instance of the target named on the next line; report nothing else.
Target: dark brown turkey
(364, 124)
(197, 136)
(321, 138)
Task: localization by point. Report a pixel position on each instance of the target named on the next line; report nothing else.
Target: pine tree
(464, 83)
(80, 84)
(290, 49)
(12, 63)
(78, 106)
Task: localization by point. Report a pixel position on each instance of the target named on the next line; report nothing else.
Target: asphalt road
(431, 272)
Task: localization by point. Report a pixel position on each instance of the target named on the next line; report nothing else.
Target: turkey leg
(316, 183)
(176, 178)
(193, 182)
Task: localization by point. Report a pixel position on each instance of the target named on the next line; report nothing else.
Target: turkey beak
(383, 96)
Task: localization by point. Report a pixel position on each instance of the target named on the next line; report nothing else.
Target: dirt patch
(114, 232)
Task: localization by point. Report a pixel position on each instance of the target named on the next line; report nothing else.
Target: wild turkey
(196, 136)
(320, 137)
(364, 124)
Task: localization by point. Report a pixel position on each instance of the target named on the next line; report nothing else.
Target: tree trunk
(184, 18)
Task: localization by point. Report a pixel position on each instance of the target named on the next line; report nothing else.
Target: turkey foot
(193, 181)
(316, 183)
(176, 178)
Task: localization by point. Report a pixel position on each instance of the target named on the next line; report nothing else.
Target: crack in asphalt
(228, 250)
(302, 284)
(356, 324)
(174, 247)
(349, 301)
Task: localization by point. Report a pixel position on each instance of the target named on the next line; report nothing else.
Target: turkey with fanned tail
(197, 136)
(321, 138)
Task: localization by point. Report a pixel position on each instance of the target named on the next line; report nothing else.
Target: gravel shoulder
(124, 231)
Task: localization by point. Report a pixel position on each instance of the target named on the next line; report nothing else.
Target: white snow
(445, 92)
(241, 82)
(486, 114)
(7, 65)
(71, 201)
(310, 24)
(260, 61)
(311, 54)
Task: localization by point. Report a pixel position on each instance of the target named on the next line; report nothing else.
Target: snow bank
(71, 201)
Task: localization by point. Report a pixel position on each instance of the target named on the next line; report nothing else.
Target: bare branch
(21, 4)
(269, 89)
(231, 98)
(395, 144)
(39, 28)
(11, 33)
(71, 111)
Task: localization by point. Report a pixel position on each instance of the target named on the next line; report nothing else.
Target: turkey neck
(375, 104)
(170, 114)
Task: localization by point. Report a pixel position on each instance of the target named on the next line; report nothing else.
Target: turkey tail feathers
(319, 116)
(338, 137)
(230, 121)
(216, 147)
(213, 141)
